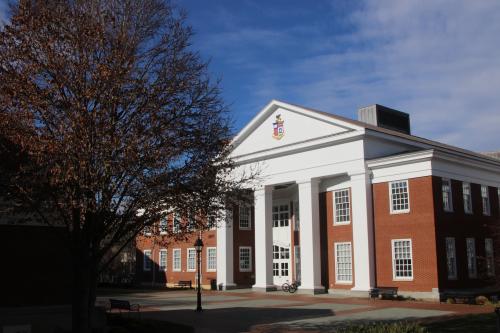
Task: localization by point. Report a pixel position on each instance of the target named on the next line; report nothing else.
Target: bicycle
(289, 287)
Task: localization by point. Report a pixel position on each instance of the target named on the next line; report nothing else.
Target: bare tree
(107, 118)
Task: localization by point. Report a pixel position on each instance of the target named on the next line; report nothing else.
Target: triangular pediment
(281, 125)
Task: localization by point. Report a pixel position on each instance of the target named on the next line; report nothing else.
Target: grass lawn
(479, 323)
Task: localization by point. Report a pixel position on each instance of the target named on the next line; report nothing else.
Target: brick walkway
(246, 311)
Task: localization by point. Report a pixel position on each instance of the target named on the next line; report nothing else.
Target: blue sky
(438, 60)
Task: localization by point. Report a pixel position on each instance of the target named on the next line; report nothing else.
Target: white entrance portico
(294, 167)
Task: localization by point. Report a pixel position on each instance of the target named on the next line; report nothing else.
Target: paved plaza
(247, 311)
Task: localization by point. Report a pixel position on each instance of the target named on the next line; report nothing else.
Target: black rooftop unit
(382, 116)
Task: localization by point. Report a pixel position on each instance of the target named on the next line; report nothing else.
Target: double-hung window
(471, 258)
(343, 262)
(176, 227)
(342, 207)
(284, 253)
(276, 252)
(147, 231)
(245, 259)
(176, 262)
(280, 216)
(191, 221)
(451, 258)
(447, 198)
(191, 259)
(402, 261)
(466, 192)
(245, 219)
(485, 198)
(163, 225)
(490, 259)
(147, 260)
(211, 259)
(162, 260)
(400, 197)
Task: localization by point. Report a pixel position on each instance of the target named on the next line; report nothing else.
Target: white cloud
(438, 60)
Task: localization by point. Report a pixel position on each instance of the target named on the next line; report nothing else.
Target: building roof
(414, 138)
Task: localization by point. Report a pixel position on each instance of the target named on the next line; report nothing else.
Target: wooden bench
(184, 284)
(383, 292)
(123, 305)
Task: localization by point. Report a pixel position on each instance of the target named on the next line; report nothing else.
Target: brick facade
(417, 225)
(461, 225)
(333, 234)
(427, 224)
(169, 277)
(243, 237)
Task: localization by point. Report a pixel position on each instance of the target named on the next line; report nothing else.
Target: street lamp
(198, 245)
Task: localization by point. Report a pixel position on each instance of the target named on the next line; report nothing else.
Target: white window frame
(391, 206)
(451, 258)
(336, 246)
(348, 221)
(249, 217)
(176, 227)
(465, 185)
(402, 278)
(449, 202)
(174, 251)
(211, 260)
(470, 245)
(190, 260)
(147, 230)
(191, 221)
(277, 214)
(486, 208)
(147, 261)
(249, 268)
(163, 227)
(160, 267)
(489, 253)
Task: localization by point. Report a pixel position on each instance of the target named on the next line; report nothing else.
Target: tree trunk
(84, 292)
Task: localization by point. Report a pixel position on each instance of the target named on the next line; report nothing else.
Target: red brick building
(345, 206)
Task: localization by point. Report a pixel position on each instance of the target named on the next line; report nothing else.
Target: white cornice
(401, 159)
(432, 154)
(298, 147)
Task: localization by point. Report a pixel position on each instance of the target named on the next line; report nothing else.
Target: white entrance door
(281, 265)
(281, 244)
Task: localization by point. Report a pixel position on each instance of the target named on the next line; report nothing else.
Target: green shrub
(399, 327)
(450, 300)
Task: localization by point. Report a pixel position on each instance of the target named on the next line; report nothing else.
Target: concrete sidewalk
(247, 311)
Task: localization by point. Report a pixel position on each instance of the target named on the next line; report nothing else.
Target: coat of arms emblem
(278, 129)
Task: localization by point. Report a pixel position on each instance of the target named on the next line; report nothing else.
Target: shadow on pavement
(237, 319)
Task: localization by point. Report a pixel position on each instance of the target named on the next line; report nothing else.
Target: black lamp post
(198, 245)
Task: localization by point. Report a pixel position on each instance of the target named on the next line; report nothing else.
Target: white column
(310, 261)
(362, 232)
(263, 239)
(225, 272)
